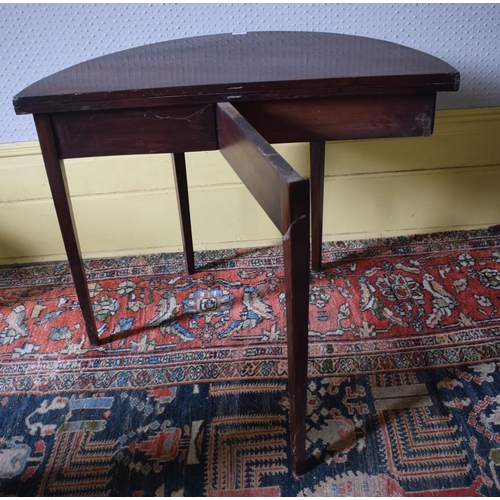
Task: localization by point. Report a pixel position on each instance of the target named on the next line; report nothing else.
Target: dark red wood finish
(173, 97)
(295, 214)
(181, 188)
(256, 162)
(342, 118)
(284, 195)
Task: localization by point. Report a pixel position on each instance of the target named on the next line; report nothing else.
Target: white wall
(39, 39)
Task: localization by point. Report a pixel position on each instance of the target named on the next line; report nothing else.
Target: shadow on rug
(188, 395)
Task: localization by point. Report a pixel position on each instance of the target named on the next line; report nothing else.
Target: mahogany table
(237, 93)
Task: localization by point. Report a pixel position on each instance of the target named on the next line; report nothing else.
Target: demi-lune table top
(238, 67)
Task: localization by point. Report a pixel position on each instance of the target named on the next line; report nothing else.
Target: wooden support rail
(62, 203)
(284, 196)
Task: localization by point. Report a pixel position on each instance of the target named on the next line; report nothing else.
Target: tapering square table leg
(181, 187)
(62, 203)
(295, 210)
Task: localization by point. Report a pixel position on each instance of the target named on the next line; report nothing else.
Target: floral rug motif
(188, 396)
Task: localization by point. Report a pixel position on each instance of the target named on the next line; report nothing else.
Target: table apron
(169, 129)
(342, 118)
(176, 129)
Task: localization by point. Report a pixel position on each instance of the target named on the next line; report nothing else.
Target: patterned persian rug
(189, 395)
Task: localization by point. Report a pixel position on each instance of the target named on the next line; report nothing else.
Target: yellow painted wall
(127, 205)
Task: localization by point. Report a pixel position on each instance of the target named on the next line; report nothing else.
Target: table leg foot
(62, 203)
(296, 263)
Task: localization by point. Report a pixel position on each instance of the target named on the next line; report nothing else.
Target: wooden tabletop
(225, 67)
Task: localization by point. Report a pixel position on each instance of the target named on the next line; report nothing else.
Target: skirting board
(127, 205)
